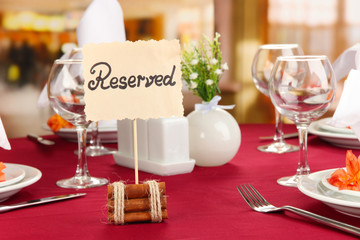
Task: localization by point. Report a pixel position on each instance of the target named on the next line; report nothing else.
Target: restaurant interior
(35, 33)
(154, 173)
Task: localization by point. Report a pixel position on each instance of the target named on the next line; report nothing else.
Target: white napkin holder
(163, 145)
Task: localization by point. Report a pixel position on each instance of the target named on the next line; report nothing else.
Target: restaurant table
(203, 204)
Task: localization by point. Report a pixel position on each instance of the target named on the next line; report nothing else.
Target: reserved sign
(132, 80)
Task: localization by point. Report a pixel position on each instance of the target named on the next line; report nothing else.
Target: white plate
(323, 125)
(311, 186)
(13, 174)
(32, 175)
(343, 140)
(107, 133)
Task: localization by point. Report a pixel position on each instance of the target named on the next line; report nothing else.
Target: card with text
(132, 80)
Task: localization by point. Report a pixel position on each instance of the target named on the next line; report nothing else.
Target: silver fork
(257, 202)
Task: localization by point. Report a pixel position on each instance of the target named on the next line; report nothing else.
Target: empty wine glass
(96, 148)
(263, 63)
(302, 88)
(66, 96)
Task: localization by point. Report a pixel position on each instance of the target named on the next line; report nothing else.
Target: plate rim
(315, 130)
(13, 180)
(315, 178)
(322, 123)
(107, 134)
(102, 129)
(26, 181)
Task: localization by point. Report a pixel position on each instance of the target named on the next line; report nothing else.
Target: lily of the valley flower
(209, 82)
(218, 71)
(194, 62)
(214, 61)
(193, 76)
(193, 85)
(225, 66)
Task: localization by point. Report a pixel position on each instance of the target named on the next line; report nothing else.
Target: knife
(41, 140)
(288, 135)
(5, 208)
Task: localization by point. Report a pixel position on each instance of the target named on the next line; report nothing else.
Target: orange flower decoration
(56, 123)
(2, 175)
(349, 179)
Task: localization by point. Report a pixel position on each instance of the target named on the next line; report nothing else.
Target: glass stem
(82, 173)
(98, 140)
(278, 137)
(95, 140)
(92, 138)
(303, 167)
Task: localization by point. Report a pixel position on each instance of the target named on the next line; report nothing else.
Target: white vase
(214, 137)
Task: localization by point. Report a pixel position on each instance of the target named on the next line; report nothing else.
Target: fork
(258, 203)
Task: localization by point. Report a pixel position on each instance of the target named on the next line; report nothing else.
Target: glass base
(80, 183)
(289, 181)
(278, 147)
(96, 151)
(93, 151)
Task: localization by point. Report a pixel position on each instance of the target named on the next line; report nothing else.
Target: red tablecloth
(203, 204)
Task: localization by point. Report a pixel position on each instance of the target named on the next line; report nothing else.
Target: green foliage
(202, 68)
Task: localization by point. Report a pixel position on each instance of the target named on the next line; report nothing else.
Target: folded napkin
(348, 60)
(347, 113)
(4, 142)
(102, 22)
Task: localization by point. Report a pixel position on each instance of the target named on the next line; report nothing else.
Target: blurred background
(34, 33)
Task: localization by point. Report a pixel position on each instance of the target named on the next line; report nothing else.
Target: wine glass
(66, 97)
(263, 63)
(96, 148)
(302, 88)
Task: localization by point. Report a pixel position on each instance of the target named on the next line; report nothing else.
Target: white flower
(194, 62)
(209, 82)
(193, 76)
(193, 85)
(218, 71)
(225, 66)
(214, 61)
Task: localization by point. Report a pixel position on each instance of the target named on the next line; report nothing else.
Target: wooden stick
(136, 166)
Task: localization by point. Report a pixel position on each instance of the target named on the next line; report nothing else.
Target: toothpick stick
(136, 166)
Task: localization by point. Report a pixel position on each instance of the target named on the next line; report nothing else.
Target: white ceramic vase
(214, 136)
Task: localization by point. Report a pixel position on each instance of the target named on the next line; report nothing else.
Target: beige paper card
(132, 80)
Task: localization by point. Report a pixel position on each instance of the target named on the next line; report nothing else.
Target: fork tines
(251, 196)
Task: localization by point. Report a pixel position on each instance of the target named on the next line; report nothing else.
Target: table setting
(188, 205)
(156, 185)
